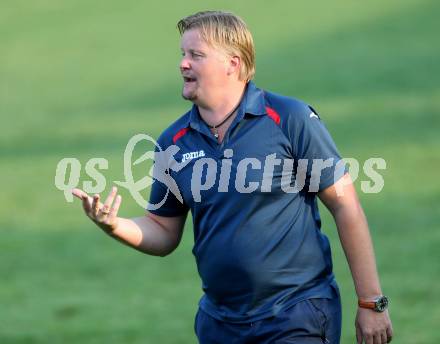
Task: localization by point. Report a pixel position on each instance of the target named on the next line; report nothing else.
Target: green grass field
(79, 79)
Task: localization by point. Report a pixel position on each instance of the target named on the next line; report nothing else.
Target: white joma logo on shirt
(193, 155)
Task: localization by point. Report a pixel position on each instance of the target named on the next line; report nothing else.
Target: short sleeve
(165, 197)
(312, 142)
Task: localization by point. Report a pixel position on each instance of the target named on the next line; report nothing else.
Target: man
(264, 262)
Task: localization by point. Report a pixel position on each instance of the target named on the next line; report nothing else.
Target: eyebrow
(194, 51)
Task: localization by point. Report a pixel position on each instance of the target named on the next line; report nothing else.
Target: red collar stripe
(273, 114)
(179, 134)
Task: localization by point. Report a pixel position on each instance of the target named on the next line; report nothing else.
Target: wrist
(370, 297)
(113, 226)
(379, 304)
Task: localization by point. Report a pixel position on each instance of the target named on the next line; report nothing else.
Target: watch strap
(367, 304)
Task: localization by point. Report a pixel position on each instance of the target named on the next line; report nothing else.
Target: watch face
(381, 304)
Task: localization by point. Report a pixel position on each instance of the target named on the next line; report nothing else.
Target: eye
(196, 55)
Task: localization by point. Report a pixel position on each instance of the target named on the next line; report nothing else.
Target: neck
(216, 112)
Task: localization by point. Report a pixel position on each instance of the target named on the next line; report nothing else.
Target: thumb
(86, 200)
(79, 193)
(358, 335)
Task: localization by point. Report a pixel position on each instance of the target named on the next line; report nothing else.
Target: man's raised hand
(103, 214)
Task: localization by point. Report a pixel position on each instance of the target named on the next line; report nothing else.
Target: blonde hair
(227, 31)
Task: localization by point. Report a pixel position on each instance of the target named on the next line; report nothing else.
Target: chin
(189, 96)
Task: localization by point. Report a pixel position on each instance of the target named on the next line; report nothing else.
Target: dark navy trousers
(312, 321)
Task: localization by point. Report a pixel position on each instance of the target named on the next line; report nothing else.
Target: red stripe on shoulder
(274, 115)
(179, 134)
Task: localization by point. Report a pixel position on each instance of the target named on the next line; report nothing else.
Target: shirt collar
(252, 103)
(253, 99)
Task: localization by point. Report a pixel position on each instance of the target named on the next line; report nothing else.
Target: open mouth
(188, 79)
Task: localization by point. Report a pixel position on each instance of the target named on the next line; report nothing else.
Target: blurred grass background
(79, 79)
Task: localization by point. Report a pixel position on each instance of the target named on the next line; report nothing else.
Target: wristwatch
(378, 305)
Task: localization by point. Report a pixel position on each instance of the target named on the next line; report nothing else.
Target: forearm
(145, 234)
(357, 244)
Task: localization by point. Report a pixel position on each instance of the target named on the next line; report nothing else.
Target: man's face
(204, 69)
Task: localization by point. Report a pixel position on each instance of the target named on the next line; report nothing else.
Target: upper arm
(173, 225)
(340, 194)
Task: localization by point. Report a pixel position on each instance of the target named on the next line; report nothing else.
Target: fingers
(95, 205)
(86, 200)
(372, 327)
(377, 339)
(109, 201)
(104, 210)
(380, 337)
(98, 212)
(389, 334)
(87, 205)
(358, 335)
(115, 208)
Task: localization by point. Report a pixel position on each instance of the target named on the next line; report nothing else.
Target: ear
(234, 65)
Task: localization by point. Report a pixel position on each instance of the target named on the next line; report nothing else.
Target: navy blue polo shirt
(257, 238)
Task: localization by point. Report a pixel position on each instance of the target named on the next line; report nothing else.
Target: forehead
(192, 40)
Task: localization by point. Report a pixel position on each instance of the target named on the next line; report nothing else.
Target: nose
(184, 63)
